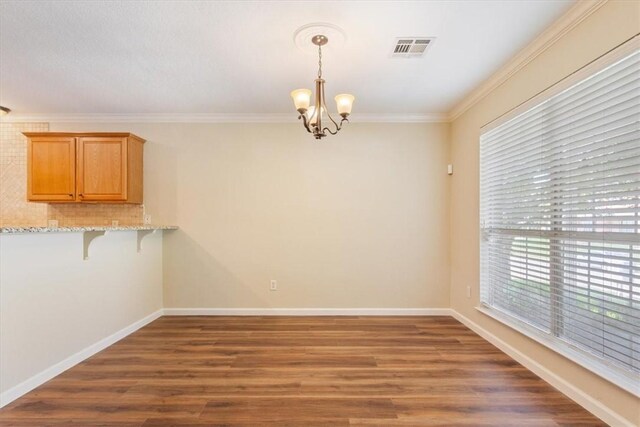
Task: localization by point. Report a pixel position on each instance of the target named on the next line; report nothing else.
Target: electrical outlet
(52, 223)
(147, 219)
(273, 285)
(115, 223)
(468, 291)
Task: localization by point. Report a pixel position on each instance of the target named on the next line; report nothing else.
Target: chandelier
(313, 116)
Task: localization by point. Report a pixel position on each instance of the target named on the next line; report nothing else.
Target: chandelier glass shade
(316, 118)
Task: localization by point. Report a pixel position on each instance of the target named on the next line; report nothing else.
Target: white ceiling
(223, 57)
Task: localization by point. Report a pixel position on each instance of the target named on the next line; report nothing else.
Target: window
(560, 218)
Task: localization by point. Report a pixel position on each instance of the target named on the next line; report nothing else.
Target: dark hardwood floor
(298, 371)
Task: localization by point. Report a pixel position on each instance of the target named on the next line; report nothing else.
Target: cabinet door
(51, 169)
(102, 169)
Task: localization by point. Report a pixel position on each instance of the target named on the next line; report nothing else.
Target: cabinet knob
(70, 194)
(81, 195)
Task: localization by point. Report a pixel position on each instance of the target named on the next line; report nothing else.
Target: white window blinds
(560, 217)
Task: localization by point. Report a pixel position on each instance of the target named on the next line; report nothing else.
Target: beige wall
(359, 220)
(609, 26)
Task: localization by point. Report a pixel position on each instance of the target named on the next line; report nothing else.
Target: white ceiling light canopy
(303, 36)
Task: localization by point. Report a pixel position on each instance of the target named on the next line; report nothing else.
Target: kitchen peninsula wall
(15, 210)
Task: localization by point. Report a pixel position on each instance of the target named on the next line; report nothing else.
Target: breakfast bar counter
(75, 229)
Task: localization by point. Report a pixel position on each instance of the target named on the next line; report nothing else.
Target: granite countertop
(81, 228)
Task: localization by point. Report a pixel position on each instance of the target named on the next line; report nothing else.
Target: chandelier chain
(319, 62)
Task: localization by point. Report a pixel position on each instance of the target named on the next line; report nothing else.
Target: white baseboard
(307, 312)
(581, 398)
(44, 376)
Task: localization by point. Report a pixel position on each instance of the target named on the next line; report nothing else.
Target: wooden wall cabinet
(84, 167)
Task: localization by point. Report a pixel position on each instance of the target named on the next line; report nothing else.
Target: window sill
(628, 381)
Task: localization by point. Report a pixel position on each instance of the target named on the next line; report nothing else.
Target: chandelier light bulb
(313, 119)
(301, 99)
(310, 115)
(344, 101)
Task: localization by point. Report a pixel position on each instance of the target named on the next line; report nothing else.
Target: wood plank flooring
(298, 371)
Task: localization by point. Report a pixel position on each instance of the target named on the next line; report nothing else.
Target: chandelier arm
(338, 127)
(305, 122)
(330, 131)
(334, 122)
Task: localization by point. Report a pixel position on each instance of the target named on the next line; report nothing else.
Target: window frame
(623, 378)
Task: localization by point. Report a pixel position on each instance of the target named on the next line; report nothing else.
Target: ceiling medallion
(312, 116)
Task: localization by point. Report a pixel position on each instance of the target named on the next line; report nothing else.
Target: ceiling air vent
(411, 47)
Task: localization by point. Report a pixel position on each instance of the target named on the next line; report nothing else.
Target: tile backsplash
(15, 210)
(95, 214)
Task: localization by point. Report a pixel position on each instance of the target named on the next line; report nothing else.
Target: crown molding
(579, 12)
(401, 118)
(213, 118)
(151, 118)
